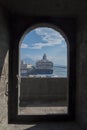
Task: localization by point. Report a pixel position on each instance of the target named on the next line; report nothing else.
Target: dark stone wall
(4, 48)
(43, 90)
(81, 87)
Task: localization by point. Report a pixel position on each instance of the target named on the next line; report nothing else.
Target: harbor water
(58, 71)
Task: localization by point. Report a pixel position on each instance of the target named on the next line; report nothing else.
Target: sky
(44, 40)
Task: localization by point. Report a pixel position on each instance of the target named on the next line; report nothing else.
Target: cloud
(49, 37)
(23, 45)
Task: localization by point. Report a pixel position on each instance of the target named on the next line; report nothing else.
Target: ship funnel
(44, 57)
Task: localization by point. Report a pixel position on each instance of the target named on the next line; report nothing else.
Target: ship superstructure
(44, 66)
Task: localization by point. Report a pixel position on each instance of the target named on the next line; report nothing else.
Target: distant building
(26, 69)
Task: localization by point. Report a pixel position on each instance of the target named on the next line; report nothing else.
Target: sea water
(58, 71)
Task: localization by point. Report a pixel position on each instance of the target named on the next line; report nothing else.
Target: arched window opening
(43, 69)
(43, 53)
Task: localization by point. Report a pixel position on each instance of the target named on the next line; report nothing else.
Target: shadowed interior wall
(81, 87)
(4, 47)
(43, 89)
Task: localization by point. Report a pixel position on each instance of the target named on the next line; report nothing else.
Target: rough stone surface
(43, 89)
(4, 40)
(47, 7)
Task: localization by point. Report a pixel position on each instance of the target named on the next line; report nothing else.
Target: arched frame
(18, 27)
(51, 26)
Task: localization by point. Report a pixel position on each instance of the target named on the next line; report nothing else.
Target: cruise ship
(44, 66)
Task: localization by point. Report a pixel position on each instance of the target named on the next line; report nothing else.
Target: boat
(44, 66)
